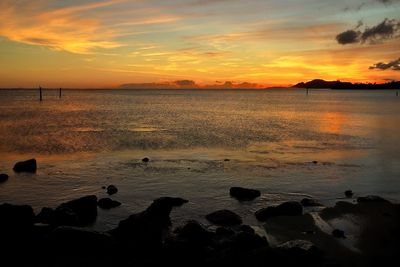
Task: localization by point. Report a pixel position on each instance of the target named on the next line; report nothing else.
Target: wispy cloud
(392, 65)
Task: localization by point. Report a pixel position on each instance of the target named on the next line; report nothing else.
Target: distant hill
(318, 83)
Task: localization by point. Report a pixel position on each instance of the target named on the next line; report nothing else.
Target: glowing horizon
(87, 43)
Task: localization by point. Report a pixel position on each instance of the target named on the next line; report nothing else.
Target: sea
(284, 142)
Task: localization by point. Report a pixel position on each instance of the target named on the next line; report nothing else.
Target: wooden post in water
(397, 93)
(40, 93)
(59, 95)
(307, 91)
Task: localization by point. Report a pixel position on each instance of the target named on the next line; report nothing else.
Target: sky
(197, 43)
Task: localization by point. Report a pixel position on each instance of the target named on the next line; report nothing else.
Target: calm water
(91, 138)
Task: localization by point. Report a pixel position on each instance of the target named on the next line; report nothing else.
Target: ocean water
(200, 143)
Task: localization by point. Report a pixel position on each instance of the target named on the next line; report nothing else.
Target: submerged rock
(3, 177)
(290, 208)
(108, 203)
(309, 202)
(224, 218)
(243, 194)
(112, 189)
(303, 250)
(145, 159)
(25, 166)
(194, 233)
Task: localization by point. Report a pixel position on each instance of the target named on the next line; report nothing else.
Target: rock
(16, 217)
(112, 189)
(290, 208)
(315, 162)
(194, 232)
(223, 231)
(372, 199)
(71, 246)
(302, 250)
(3, 177)
(247, 229)
(243, 194)
(25, 166)
(348, 193)
(103, 187)
(108, 203)
(145, 159)
(143, 231)
(46, 216)
(227, 160)
(224, 218)
(78, 212)
(338, 233)
(308, 202)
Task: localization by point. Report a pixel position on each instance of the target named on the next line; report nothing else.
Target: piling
(59, 95)
(40, 93)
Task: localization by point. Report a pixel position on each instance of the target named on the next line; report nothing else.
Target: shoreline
(292, 234)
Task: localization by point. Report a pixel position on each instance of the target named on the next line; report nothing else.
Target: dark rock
(143, 231)
(302, 250)
(315, 162)
(145, 159)
(112, 189)
(247, 229)
(372, 199)
(308, 202)
(243, 194)
(103, 187)
(46, 216)
(226, 159)
(3, 177)
(78, 212)
(25, 166)
(223, 231)
(348, 193)
(194, 232)
(15, 216)
(248, 241)
(224, 218)
(108, 203)
(290, 208)
(71, 246)
(338, 233)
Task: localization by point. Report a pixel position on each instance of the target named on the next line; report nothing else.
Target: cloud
(348, 37)
(392, 65)
(385, 30)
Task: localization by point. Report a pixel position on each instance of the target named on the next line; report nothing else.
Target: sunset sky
(258, 43)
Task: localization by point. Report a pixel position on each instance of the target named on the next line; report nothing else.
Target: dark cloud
(185, 83)
(348, 37)
(384, 30)
(387, 29)
(392, 65)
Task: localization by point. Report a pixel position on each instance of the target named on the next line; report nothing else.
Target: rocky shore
(361, 231)
(59, 237)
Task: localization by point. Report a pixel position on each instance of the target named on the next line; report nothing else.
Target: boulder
(3, 177)
(194, 233)
(372, 199)
(16, 217)
(309, 202)
(290, 208)
(303, 251)
(78, 212)
(145, 159)
(143, 232)
(112, 189)
(71, 246)
(348, 193)
(25, 166)
(108, 203)
(243, 194)
(338, 233)
(224, 218)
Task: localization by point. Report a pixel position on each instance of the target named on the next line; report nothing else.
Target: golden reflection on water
(332, 122)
